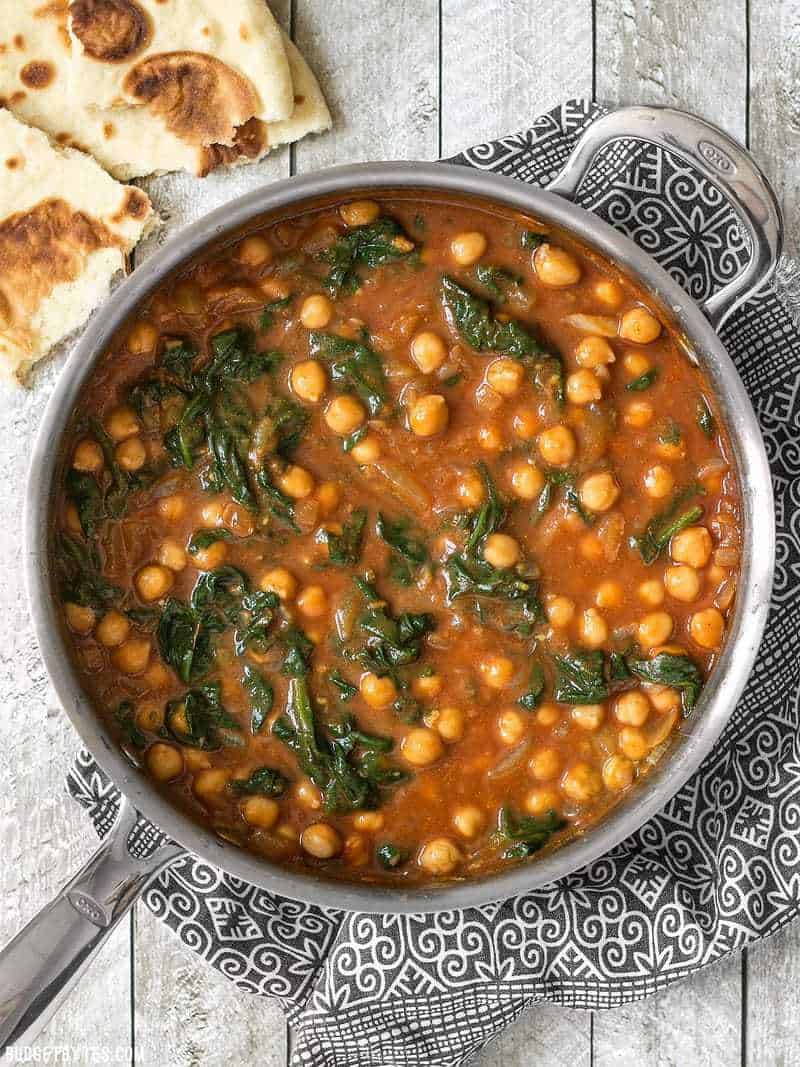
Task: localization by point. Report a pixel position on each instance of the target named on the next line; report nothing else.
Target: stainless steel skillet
(40, 966)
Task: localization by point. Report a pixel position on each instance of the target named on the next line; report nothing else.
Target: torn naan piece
(65, 228)
(130, 142)
(204, 67)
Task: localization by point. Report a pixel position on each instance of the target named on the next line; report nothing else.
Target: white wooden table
(409, 79)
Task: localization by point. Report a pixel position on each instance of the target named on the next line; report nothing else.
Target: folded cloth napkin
(718, 869)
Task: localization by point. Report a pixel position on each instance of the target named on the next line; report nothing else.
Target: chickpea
(368, 450)
(557, 445)
(122, 423)
(671, 450)
(593, 629)
(281, 581)
(560, 611)
(468, 820)
(439, 856)
(254, 251)
(636, 364)
(525, 424)
(421, 746)
(545, 764)
(309, 380)
(359, 212)
(164, 762)
(663, 698)
(312, 601)
(329, 496)
(345, 414)
(638, 413)
(308, 794)
(132, 656)
(73, 519)
(527, 481)
(591, 547)
(157, 676)
(378, 692)
(490, 438)
(428, 351)
(296, 482)
(588, 716)
(150, 717)
(632, 708)
(429, 415)
(261, 812)
(659, 481)
(542, 801)
(321, 841)
(470, 490)
(640, 326)
(651, 592)
(212, 512)
(609, 594)
(511, 726)
(211, 557)
(467, 248)
(274, 288)
(211, 782)
(153, 581)
(81, 619)
(682, 582)
(501, 550)
(449, 722)
(555, 266)
(113, 629)
(427, 686)
(594, 352)
(368, 821)
(583, 387)
(142, 338)
(238, 520)
(707, 628)
(188, 298)
(599, 492)
(316, 312)
(496, 671)
(172, 507)
(654, 629)
(608, 293)
(131, 454)
(692, 545)
(617, 773)
(633, 743)
(582, 782)
(505, 376)
(172, 554)
(547, 715)
(88, 456)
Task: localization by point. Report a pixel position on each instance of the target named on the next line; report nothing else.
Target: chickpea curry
(397, 538)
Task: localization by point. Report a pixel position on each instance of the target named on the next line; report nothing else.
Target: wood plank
(689, 56)
(695, 1022)
(503, 63)
(188, 1014)
(773, 1000)
(775, 103)
(377, 63)
(494, 82)
(44, 837)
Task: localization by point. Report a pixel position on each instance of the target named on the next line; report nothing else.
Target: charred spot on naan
(135, 205)
(110, 30)
(37, 74)
(42, 248)
(250, 142)
(201, 100)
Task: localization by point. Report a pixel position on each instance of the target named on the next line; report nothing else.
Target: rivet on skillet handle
(720, 159)
(39, 968)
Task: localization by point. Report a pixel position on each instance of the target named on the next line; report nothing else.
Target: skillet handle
(721, 160)
(40, 966)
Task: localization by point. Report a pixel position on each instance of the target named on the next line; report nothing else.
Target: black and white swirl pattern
(716, 870)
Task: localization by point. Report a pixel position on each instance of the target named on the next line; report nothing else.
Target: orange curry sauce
(475, 420)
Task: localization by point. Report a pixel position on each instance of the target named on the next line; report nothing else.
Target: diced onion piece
(412, 493)
(599, 325)
(610, 532)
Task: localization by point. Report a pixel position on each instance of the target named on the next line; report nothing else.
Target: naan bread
(204, 67)
(35, 65)
(65, 228)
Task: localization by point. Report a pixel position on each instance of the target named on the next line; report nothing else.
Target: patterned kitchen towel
(718, 869)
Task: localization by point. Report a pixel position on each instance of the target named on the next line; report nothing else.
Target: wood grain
(775, 103)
